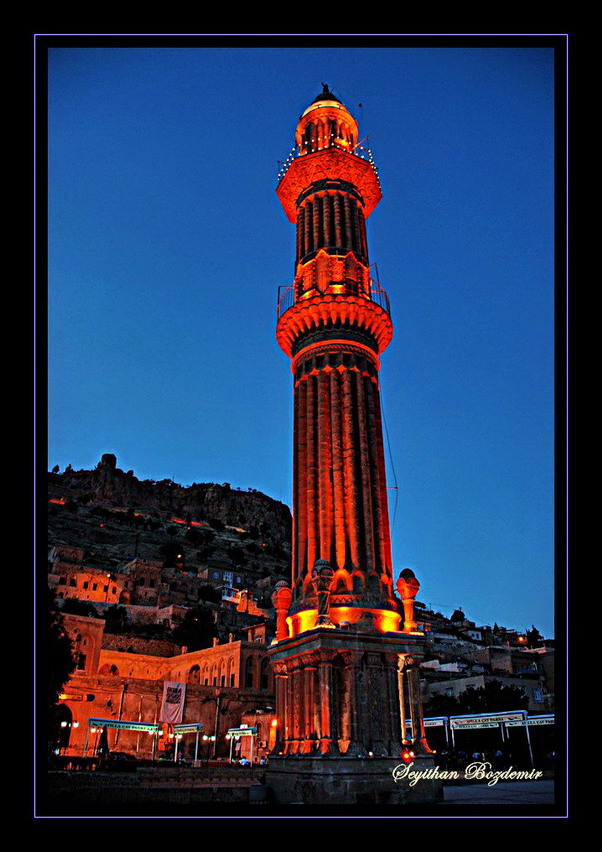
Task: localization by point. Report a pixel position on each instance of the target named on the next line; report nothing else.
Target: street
(502, 793)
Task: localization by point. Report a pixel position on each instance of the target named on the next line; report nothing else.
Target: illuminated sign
(488, 720)
(192, 728)
(123, 725)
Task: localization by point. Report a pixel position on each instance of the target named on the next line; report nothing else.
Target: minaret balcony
(335, 163)
(314, 309)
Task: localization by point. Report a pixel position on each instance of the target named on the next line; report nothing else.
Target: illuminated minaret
(334, 322)
(346, 648)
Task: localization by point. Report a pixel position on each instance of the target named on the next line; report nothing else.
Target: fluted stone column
(393, 716)
(309, 675)
(353, 674)
(418, 730)
(403, 703)
(280, 683)
(328, 708)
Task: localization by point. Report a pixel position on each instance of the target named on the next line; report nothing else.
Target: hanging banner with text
(172, 706)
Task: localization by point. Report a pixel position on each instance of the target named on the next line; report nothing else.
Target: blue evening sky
(167, 243)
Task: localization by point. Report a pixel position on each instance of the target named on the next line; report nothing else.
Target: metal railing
(286, 297)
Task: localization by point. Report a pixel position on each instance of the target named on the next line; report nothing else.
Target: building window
(216, 575)
(105, 589)
(537, 696)
(151, 583)
(81, 662)
(72, 582)
(141, 581)
(94, 586)
(249, 673)
(223, 680)
(62, 581)
(232, 679)
(86, 584)
(264, 674)
(114, 589)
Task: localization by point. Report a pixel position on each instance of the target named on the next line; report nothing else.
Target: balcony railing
(286, 297)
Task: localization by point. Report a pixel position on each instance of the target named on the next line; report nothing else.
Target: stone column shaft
(325, 499)
(327, 208)
(300, 233)
(301, 483)
(348, 225)
(307, 217)
(316, 221)
(365, 475)
(309, 674)
(403, 709)
(384, 531)
(338, 215)
(337, 470)
(351, 485)
(311, 462)
(377, 476)
(280, 690)
(356, 746)
(393, 704)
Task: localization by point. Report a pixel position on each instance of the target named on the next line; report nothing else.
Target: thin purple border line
(34, 270)
(566, 343)
(566, 36)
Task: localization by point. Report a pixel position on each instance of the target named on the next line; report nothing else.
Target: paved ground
(502, 793)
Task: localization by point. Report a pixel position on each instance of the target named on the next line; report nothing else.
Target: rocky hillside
(113, 516)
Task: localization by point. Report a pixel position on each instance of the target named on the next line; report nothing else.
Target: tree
(237, 555)
(56, 468)
(494, 697)
(193, 536)
(442, 705)
(534, 637)
(197, 630)
(209, 593)
(76, 607)
(116, 620)
(173, 552)
(59, 652)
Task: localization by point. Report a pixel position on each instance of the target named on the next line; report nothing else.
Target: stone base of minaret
(343, 698)
(351, 781)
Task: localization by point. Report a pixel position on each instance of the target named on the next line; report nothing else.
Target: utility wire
(395, 487)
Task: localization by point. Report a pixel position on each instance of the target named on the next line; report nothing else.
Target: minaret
(346, 650)
(334, 322)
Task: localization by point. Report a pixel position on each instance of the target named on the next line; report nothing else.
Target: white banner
(172, 707)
